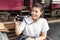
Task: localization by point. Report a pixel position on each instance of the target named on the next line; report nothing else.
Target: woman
(33, 27)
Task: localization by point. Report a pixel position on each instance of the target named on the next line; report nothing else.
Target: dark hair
(39, 5)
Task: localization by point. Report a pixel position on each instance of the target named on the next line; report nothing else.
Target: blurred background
(10, 8)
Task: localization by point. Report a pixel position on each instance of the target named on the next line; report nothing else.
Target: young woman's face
(36, 13)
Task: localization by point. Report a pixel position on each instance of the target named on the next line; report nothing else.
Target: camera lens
(19, 18)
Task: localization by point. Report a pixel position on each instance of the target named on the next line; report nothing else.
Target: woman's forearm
(17, 31)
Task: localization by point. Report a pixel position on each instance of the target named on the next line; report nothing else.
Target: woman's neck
(35, 20)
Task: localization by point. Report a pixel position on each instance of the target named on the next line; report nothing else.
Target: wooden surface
(11, 27)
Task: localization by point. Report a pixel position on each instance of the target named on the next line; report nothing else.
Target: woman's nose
(33, 13)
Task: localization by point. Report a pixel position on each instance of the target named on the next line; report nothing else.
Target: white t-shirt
(33, 29)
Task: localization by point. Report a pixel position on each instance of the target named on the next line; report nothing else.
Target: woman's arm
(43, 36)
(17, 31)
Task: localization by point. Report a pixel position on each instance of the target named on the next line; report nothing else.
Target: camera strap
(27, 23)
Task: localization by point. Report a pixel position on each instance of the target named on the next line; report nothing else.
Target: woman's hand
(29, 38)
(17, 31)
(17, 23)
(38, 39)
(42, 37)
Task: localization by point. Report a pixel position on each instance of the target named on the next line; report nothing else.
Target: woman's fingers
(16, 22)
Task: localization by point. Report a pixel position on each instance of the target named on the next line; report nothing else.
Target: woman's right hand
(17, 23)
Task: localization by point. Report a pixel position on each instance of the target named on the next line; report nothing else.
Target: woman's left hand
(37, 39)
(29, 38)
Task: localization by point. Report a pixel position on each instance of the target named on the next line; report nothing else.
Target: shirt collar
(29, 20)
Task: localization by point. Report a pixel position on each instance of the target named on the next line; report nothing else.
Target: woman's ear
(41, 12)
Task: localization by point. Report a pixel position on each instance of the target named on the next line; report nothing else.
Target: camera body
(19, 18)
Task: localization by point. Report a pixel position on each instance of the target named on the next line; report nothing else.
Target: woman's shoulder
(43, 20)
(26, 16)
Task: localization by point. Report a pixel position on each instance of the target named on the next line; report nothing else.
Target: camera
(19, 18)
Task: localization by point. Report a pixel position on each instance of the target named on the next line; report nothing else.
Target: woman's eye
(36, 11)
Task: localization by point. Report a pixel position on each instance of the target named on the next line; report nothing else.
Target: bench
(11, 26)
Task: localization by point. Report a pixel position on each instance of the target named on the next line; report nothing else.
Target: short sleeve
(45, 26)
(22, 26)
